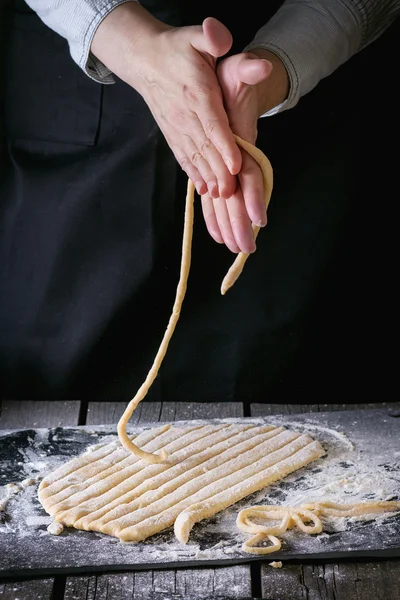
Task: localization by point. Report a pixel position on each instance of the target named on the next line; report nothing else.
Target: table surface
(344, 580)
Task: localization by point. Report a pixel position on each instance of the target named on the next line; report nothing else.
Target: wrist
(274, 90)
(121, 37)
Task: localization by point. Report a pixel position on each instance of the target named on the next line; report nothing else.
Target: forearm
(313, 38)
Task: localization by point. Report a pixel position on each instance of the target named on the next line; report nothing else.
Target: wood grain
(100, 413)
(28, 414)
(35, 589)
(370, 580)
(341, 581)
(185, 582)
(147, 585)
(261, 410)
(24, 414)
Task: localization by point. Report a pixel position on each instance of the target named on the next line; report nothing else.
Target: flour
(15, 488)
(360, 465)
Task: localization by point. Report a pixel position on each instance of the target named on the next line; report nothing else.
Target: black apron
(91, 220)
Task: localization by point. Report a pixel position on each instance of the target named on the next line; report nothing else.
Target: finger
(207, 159)
(224, 224)
(241, 223)
(252, 187)
(253, 70)
(190, 169)
(216, 142)
(216, 39)
(193, 156)
(217, 129)
(210, 219)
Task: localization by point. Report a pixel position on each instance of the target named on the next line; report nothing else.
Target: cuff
(80, 51)
(275, 110)
(312, 38)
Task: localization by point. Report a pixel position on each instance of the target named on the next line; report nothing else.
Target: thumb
(253, 70)
(213, 38)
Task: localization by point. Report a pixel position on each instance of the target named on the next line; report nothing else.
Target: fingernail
(213, 191)
(232, 171)
(268, 62)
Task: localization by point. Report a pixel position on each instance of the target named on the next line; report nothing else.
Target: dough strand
(209, 468)
(267, 175)
(228, 281)
(254, 462)
(152, 374)
(299, 516)
(303, 451)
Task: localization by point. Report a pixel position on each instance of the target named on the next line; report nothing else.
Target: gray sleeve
(77, 21)
(314, 37)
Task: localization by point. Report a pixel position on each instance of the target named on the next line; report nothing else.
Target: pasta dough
(209, 468)
(171, 476)
(299, 516)
(228, 281)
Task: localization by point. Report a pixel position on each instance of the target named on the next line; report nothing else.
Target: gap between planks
(378, 580)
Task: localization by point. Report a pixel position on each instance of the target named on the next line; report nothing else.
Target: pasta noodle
(228, 281)
(299, 516)
(209, 468)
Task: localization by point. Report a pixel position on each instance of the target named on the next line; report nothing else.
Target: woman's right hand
(174, 71)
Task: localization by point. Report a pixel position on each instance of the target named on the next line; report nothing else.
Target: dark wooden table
(361, 580)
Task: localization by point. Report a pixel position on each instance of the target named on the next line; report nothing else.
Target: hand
(251, 83)
(174, 71)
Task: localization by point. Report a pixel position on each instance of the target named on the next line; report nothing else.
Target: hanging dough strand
(228, 281)
(267, 175)
(152, 374)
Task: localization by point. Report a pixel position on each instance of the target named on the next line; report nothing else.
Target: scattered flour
(356, 468)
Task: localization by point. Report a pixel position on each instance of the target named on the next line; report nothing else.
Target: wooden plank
(180, 411)
(356, 581)
(346, 581)
(101, 413)
(232, 581)
(366, 581)
(36, 589)
(24, 414)
(145, 585)
(183, 583)
(260, 410)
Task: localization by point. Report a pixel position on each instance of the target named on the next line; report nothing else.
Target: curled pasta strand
(245, 524)
(251, 545)
(300, 516)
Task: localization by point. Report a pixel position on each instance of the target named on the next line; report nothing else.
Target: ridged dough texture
(209, 468)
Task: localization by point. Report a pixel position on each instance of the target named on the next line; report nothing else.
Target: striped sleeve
(77, 21)
(375, 16)
(314, 37)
